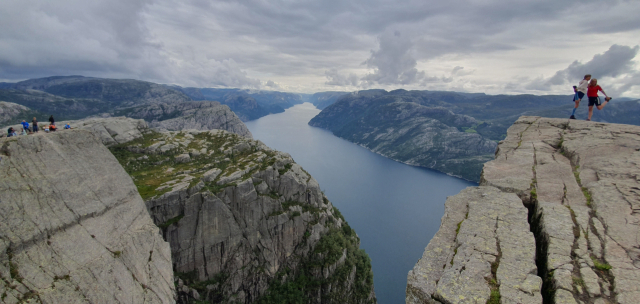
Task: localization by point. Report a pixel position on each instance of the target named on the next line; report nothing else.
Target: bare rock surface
(580, 181)
(483, 244)
(199, 115)
(74, 228)
(11, 113)
(245, 222)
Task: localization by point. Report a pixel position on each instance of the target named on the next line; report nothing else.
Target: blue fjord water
(394, 208)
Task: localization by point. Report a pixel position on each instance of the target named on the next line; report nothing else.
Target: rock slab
(74, 228)
(580, 182)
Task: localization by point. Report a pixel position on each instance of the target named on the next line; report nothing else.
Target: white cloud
(335, 78)
(393, 62)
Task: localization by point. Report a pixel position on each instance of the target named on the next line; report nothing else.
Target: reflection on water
(394, 208)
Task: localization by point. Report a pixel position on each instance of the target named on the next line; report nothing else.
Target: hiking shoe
(588, 119)
(572, 117)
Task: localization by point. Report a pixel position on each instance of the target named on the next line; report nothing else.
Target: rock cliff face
(246, 224)
(579, 182)
(73, 228)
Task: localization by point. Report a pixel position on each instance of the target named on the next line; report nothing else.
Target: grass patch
(458, 229)
(286, 168)
(494, 298)
(600, 266)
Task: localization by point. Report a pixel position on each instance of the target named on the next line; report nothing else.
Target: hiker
(11, 132)
(34, 123)
(46, 128)
(51, 120)
(67, 126)
(592, 93)
(580, 91)
(25, 126)
(52, 128)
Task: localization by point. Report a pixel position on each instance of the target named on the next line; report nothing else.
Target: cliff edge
(554, 220)
(73, 228)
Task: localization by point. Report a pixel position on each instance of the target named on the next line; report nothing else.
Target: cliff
(555, 220)
(245, 223)
(73, 228)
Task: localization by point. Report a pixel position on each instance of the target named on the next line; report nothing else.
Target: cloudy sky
(491, 46)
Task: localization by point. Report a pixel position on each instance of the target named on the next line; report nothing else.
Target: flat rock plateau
(555, 220)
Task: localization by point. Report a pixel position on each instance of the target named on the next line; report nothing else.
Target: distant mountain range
(76, 97)
(448, 131)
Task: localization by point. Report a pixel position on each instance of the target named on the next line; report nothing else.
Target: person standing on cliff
(34, 123)
(51, 120)
(592, 93)
(580, 91)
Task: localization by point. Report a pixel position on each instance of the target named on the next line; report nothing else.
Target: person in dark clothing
(11, 132)
(51, 120)
(34, 123)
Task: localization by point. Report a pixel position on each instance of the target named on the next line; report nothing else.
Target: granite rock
(73, 226)
(579, 181)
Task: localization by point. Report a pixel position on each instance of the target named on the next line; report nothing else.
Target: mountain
(448, 131)
(76, 97)
(554, 220)
(324, 99)
(245, 223)
(247, 104)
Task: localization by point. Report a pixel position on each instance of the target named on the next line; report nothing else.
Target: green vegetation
(212, 287)
(152, 173)
(600, 266)
(301, 283)
(494, 298)
(286, 168)
(171, 222)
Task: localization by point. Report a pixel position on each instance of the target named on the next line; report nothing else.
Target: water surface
(394, 208)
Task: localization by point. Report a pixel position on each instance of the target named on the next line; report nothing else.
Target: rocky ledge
(246, 224)
(555, 220)
(73, 228)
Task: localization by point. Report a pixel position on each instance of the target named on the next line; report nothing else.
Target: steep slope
(73, 227)
(579, 182)
(431, 137)
(245, 223)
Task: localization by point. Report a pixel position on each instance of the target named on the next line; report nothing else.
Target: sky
(490, 46)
